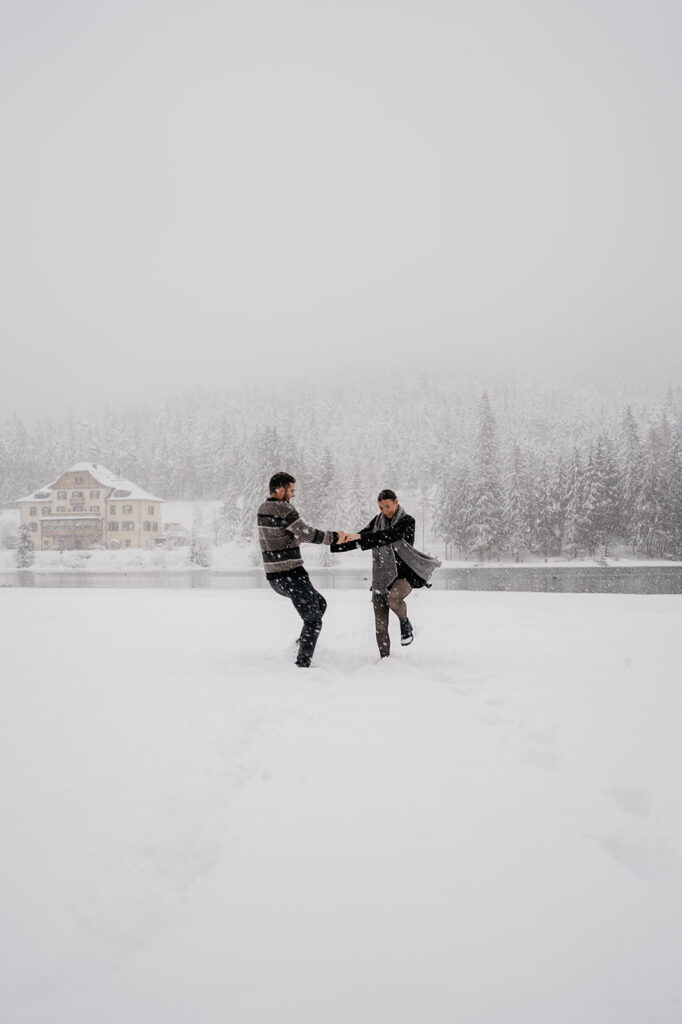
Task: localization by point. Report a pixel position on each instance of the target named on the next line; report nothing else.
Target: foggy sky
(208, 191)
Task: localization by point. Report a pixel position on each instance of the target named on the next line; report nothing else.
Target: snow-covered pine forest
(499, 469)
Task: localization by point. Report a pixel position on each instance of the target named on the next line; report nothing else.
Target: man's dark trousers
(309, 604)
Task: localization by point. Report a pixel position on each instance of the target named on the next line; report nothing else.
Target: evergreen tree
(558, 490)
(227, 520)
(252, 491)
(674, 473)
(486, 524)
(24, 555)
(605, 498)
(576, 535)
(443, 524)
(8, 493)
(356, 507)
(547, 513)
(198, 550)
(463, 512)
(18, 480)
(223, 458)
(516, 507)
(630, 469)
(327, 514)
(590, 527)
(648, 523)
(668, 480)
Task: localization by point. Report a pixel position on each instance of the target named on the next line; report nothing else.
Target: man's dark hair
(387, 495)
(281, 480)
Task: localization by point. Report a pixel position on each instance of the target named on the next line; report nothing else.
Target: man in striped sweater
(280, 532)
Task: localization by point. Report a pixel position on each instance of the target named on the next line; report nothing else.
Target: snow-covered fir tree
(485, 531)
(630, 472)
(576, 522)
(24, 555)
(517, 503)
(198, 549)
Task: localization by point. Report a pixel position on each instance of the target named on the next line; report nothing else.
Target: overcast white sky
(195, 190)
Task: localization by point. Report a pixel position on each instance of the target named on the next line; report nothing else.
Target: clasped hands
(345, 538)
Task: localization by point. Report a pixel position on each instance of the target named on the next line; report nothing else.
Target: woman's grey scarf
(384, 566)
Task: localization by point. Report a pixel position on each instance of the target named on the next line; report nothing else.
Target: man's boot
(308, 639)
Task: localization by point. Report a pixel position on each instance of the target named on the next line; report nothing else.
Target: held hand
(352, 536)
(343, 537)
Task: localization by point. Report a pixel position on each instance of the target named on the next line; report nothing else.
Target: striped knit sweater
(280, 532)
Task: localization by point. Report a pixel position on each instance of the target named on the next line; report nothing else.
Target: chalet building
(89, 506)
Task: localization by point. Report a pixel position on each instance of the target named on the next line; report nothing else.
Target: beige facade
(87, 507)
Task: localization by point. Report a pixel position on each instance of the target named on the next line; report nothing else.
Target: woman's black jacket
(370, 538)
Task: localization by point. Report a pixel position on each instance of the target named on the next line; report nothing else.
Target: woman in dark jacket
(397, 566)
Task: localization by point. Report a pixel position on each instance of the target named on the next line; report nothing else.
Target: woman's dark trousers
(395, 602)
(309, 604)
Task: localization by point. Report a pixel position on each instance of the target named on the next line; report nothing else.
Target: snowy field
(485, 828)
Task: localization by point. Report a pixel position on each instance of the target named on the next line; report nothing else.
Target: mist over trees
(497, 470)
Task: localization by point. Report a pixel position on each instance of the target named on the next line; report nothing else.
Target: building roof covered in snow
(120, 487)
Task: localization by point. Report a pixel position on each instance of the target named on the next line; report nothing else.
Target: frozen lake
(581, 579)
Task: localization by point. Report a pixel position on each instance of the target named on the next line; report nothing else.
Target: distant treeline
(499, 470)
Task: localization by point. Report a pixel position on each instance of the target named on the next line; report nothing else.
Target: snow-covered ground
(485, 828)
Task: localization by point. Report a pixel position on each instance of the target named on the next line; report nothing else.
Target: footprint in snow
(539, 746)
(649, 859)
(632, 800)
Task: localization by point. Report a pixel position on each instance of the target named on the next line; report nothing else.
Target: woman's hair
(387, 495)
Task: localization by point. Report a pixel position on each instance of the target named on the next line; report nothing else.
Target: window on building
(155, 527)
(112, 525)
(127, 510)
(34, 510)
(61, 508)
(121, 494)
(61, 495)
(94, 508)
(127, 543)
(94, 494)
(33, 527)
(112, 510)
(146, 526)
(77, 494)
(127, 525)
(79, 480)
(150, 510)
(79, 508)
(46, 510)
